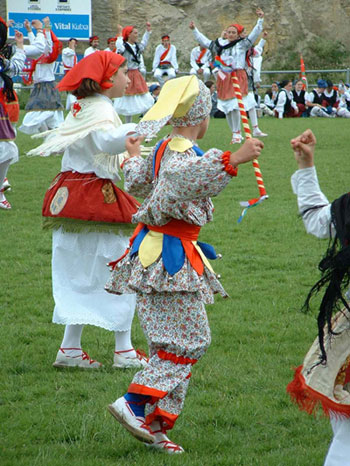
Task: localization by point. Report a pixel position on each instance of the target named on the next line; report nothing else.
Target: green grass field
(237, 411)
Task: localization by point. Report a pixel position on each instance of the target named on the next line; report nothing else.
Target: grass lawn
(237, 411)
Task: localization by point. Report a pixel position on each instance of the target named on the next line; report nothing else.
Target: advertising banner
(69, 18)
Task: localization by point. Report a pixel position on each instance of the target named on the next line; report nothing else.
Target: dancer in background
(44, 108)
(323, 381)
(94, 42)
(299, 97)
(232, 53)
(200, 62)
(165, 61)
(88, 214)
(69, 60)
(11, 62)
(166, 266)
(285, 107)
(111, 47)
(32, 51)
(137, 99)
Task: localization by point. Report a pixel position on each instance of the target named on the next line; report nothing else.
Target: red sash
(67, 67)
(43, 59)
(201, 55)
(163, 55)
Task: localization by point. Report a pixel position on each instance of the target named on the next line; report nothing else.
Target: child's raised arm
(304, 148)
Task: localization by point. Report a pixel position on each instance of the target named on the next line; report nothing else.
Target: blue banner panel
(64, 26)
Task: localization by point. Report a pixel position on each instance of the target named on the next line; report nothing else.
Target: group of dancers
(327, 100)
(163, 268)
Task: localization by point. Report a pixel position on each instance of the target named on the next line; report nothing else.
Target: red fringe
(310, 400)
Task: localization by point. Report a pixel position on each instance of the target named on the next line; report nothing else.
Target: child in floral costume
(165, 265)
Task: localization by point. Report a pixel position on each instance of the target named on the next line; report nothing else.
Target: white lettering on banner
(62, 26)
(79, 27)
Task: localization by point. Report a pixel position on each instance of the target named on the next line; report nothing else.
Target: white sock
(71, 343)
(123, 344)
(253, 117)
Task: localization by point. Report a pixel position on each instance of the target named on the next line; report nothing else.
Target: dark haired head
(87, 88)
(209, 84)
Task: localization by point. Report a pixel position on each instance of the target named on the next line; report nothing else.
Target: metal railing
(345, 71)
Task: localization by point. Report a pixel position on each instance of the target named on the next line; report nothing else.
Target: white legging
(72, 338)
(4, 166)
(234, 120)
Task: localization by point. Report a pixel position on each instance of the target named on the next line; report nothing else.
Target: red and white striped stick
(248, 135)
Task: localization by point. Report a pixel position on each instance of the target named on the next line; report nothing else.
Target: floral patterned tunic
(181, 191)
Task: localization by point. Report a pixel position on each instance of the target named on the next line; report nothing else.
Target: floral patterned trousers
(178, 334)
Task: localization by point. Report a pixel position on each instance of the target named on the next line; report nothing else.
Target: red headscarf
(126, 32)
(239, 28)
(99, 66)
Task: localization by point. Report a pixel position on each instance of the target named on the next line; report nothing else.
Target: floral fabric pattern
(176, 323)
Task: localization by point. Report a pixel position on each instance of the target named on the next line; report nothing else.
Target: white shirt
(69, 58)
(269, 101)
(80, 156)
(282, 99)
(257, 60)
(16, 64)
(89, 51)
(205, 60)
(233, 56)
(310, 96)
(132, 65)
(306, 186)
(171, 57)
(43, 72)
(37, 45)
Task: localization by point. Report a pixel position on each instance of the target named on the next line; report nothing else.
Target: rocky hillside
(320, 30)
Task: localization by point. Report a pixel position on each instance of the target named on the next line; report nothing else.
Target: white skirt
(8, 151)
(37, 122)
(229, 105)
(133, 104)
(79, 275)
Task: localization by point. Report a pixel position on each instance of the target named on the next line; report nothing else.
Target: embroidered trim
(225, 160)
(176, 359)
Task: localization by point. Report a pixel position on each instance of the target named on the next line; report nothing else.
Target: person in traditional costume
(253, 74)
(231, 53)
(285, 107)
(111, 47)
(44, 108)
(299, 94)
(31, 51)
(165, 264)
(94, 42)
(88, 213)
(12, 60)
(314, 100)
(270, 96)
(323, 380)
(69, 60)
(165, 61)
(200, 61)
(137, 99)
